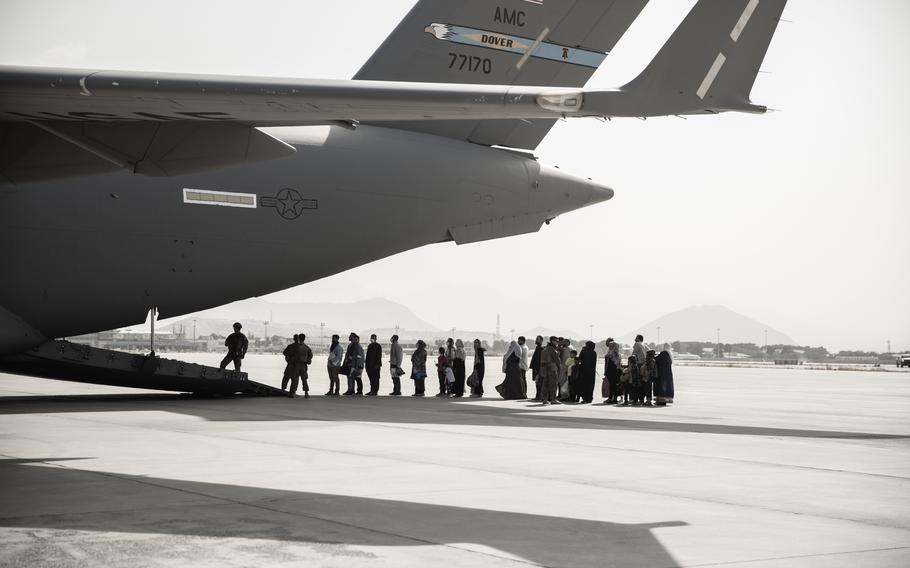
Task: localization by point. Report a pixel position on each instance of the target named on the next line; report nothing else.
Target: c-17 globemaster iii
(122, 192)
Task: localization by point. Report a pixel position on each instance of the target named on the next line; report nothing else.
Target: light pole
(322, 334)
(194, 332)
(658, 335)
(717, 345)
(266, 335)
(591, 330)
(513, 333)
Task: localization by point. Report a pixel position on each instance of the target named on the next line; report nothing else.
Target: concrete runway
(751, 467)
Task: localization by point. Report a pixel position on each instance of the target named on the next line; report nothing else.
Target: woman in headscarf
(587, 363)
(663, 388)
(613, 369)
(477, 389)
(510, 388)
(419, 368)
(458, 368)
(449, 353)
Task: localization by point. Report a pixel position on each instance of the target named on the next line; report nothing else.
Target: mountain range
(701, 323)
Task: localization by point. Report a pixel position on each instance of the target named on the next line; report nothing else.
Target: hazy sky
(800, 218)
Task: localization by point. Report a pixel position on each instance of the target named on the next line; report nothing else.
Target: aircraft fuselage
(190, 242)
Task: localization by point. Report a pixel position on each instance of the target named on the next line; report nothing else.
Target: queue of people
(560, 373)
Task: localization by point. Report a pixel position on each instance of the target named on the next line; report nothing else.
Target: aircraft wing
(67, 122)
(60, 122)
(68, 95)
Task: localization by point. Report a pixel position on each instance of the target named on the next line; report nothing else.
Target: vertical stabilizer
(710, 63)
(507, 42)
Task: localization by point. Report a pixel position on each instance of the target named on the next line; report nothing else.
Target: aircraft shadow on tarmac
(432, 410)
(108, 503)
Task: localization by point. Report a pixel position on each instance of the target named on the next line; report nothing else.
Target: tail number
(470, 63)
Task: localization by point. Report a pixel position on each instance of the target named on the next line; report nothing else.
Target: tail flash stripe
(524, 58)
(712, 74)
(743, 20)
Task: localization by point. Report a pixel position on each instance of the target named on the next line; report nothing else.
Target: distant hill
(700, 323)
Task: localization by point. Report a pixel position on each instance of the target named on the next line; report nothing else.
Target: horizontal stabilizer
(709, 64)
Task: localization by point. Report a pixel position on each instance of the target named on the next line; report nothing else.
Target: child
(441, 364)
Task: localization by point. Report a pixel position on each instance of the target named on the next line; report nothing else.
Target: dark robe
(663, 386)
(458, 369)
(510, 389)
(587, 362)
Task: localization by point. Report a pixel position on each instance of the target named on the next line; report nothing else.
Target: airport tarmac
(751, 467)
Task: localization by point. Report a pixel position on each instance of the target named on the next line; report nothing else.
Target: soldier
(374, 365)
(303, 357)
(290, 357)
(549, 373)
(237, 345)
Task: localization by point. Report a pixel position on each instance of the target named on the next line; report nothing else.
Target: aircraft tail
(710, 63)
(557, 43)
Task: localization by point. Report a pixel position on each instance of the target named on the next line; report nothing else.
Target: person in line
(419, 368)
(663, 388)
(587, 365)
(549, 373)
(648, 376)
(570, 393)
(479, 367)
(563, 348)
(395, 359)
(535, 366)
(290, 358)
(612, 370)
(237, 345)
(510, 388)
(353, 364)
(632, 379)
(442, 363)
(303, 356)
(458, 368)
(639, 350)
(523, 365)
(374, 365)
(450, 362)
(336, 358)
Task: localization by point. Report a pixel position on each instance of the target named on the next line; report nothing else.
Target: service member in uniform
(290, 357)
(303, 358)
(237, 345)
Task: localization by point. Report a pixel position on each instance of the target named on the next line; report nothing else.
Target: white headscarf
(513, 348)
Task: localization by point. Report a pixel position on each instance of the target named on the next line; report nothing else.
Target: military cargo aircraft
(122, 192)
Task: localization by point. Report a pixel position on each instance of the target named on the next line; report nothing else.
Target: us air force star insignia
(289, 203)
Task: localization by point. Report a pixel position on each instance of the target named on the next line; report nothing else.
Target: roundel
(289, 203)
